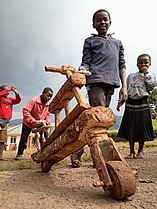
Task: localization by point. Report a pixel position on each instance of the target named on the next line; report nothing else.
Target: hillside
(15, 122)
(117, 124)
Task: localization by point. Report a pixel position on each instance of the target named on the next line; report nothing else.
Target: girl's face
(143, 64)
(102, 23)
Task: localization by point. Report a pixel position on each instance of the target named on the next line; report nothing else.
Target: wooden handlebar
(63, 70)
(53, 69)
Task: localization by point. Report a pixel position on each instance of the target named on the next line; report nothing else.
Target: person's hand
(81, 68)
(120, 103)
(13, 89)
(84, 71)
(145, 69)
(123, 93)
(39, 122)
(44, 123)
(47, 123)
(118, 106)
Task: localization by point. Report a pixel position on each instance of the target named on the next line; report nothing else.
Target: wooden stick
(66, 106)
(78, 95)
(116, 153)
(57, 117)
(66, 70)
(40, 129)
(100, 165)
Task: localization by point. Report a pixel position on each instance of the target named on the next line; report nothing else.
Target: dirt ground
(71, 188)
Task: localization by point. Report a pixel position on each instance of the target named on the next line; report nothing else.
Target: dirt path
(69, 188)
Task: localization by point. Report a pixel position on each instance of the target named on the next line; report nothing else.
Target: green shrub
(113, 135)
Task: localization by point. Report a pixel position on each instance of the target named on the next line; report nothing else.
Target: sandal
(139, 155)
(131, 156)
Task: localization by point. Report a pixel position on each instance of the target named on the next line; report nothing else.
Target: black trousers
(23, 140)
(99, 94)
(24, 137)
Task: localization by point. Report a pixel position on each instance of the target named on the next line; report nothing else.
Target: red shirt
(35, 110)
(6, 104)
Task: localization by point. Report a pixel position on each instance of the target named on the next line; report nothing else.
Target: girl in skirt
(136, 125)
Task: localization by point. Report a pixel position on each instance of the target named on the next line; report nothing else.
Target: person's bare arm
(123, 91)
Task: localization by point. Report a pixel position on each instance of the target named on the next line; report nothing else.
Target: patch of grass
(86, 158)
(151, 144)
(18, 165)
(154, 121)
(10, 164)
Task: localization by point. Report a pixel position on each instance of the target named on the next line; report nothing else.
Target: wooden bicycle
(85, 125)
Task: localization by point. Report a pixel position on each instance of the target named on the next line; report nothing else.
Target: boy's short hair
(3, 87)
(101, 10)
(46, 89)
(144, 55)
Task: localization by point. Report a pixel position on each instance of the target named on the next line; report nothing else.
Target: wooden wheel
(123, 178)
(46, 166)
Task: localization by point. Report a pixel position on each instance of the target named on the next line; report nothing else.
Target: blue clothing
(4, 122)
(104, 58)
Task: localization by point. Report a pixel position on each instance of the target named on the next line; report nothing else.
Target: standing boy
(6, 109)
(34, 113)
(103, 57)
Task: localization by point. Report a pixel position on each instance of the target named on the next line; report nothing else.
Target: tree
(153, 98)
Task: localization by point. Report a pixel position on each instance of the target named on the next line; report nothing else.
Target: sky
(35, 33)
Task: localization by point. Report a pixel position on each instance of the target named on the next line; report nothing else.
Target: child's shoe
(76, 164)
(131, 156)
(18, 157)
(139, 155)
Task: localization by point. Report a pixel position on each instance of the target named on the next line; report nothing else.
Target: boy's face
(143, 64)
(102, 23)
(46, 96)
(6, 88)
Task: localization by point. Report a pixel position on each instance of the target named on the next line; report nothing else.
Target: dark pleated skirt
(136, 123)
